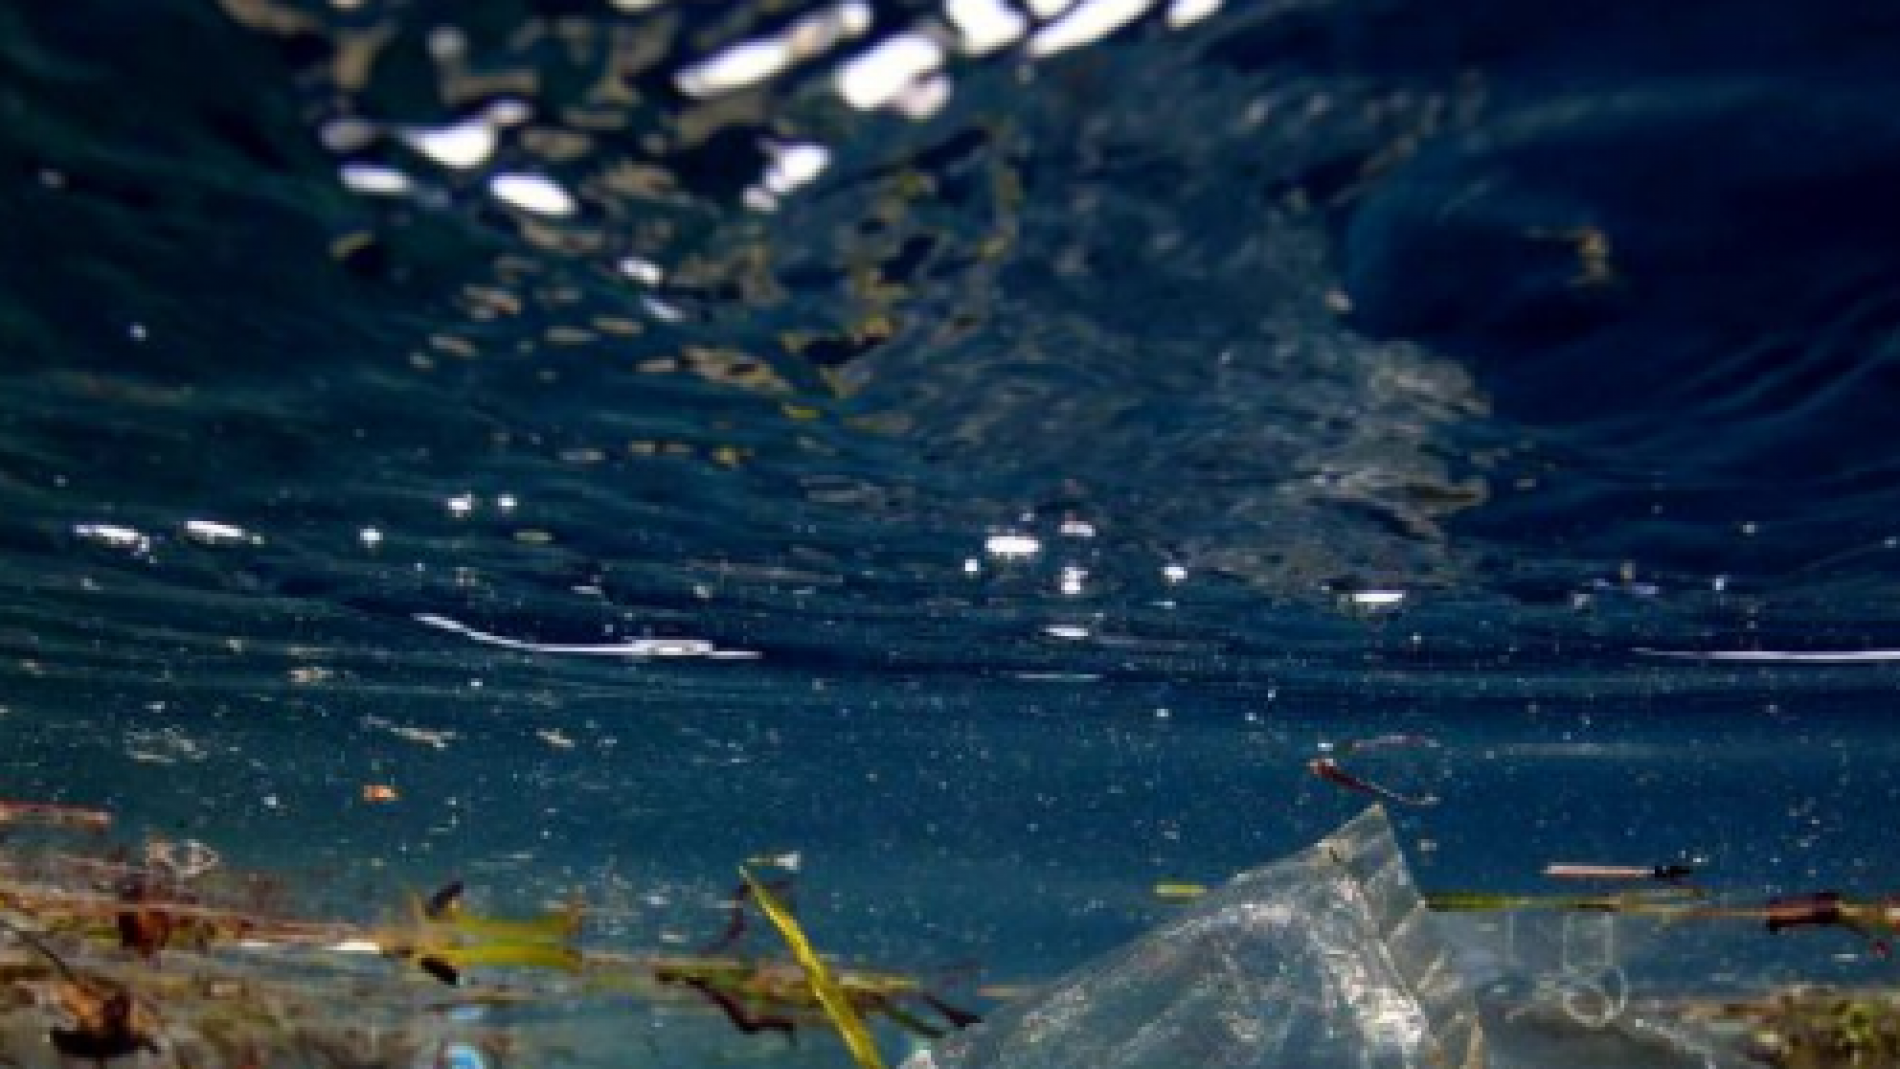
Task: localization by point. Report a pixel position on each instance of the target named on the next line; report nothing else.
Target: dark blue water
(466, 398)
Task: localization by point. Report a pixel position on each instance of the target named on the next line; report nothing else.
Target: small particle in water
(137, 331)
(370, 537)
(972, 566)
(534, 537)
(1174, 573)
(1012, 546)
(1751, 527)
(271, 801)
(1076, 529)
(506, 502)
(379, 793)
(1163, 714)
(310, 674)
(556, 738)
(1072, 579)
(461, 505)
(1719, 584)
(1072, 632)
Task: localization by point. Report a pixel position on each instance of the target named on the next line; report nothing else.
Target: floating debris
(1327, 767)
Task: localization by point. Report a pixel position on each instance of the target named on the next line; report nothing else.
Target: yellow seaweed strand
(837, 1006)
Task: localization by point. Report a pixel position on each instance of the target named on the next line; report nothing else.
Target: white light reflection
(370, 537)
(213, 533)
(1094, 20)
(1072, 632)
(743, 64)
(1174, 573)
(1188, 12)
(114, 536)
(464, 145)
(661, 310)
(645, 272)
(1377, 599)
(347, 134)
(748, 63)
(1072, 580)
(922, 99)
(794, 165)
(532, 193)
(875, 78)
(985, 25)
(376, 180)
(1012, 546)
(1781, 656)
(637, 647)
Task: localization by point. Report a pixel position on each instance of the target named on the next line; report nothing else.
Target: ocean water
(987, 451)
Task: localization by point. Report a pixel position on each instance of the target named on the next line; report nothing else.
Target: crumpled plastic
(1327, 959)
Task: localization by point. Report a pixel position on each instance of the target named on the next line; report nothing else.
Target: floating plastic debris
(1327, 767)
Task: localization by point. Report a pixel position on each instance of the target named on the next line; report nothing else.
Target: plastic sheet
(1326, 959)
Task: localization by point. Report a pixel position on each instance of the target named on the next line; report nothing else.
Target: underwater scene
(956, 534)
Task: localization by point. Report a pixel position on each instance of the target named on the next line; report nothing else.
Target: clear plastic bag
(1327, 959)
